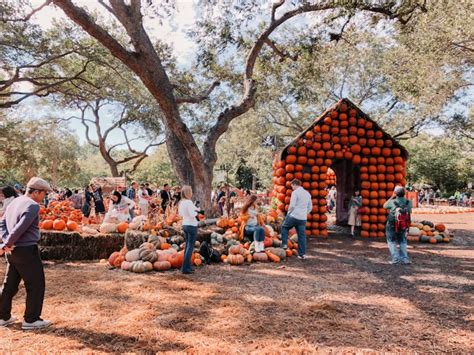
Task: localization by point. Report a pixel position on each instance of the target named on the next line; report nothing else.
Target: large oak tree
(194, 164)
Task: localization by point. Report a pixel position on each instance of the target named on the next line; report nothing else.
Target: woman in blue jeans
(397, 239)
(253, 226)
(188, 211)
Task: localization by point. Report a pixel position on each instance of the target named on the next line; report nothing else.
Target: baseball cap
(38, 184)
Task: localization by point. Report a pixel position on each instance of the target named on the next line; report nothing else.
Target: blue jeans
(190, 234)
(300, 226)
(396, 241)
(257, 232)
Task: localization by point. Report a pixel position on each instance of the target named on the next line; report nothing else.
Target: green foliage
(242, 141)
(37, 148)
(156, 169)
(443, 162)
(244, 175)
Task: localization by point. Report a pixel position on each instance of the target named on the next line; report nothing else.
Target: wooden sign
(108, 184)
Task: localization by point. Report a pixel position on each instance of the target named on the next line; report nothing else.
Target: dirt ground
(344, 298)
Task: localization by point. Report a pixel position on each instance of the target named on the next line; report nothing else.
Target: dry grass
(345, 298)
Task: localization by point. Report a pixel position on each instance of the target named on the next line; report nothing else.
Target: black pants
(23, 263)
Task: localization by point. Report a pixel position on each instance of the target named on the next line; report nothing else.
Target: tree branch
(275, 6)
(86, 126)
(82, 18)
(392, 106)
(197, 99)
(249, 88)
(281, 54)
(399, 136)
(27, 17)
(292, 118)
(41, 91)
(116, 124)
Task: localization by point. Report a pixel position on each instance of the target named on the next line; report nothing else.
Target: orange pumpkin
(59, 224)
(176, 260)
(47, 224)
(122, 227)
(72, 226)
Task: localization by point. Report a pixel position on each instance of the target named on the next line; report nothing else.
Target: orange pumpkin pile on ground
(428, 232)
(342, 132)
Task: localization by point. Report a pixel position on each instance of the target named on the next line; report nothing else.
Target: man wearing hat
(19, 234)
(398, 222)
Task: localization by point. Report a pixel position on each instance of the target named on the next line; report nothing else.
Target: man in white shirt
(300, 207)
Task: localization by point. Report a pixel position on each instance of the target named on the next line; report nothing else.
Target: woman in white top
(253, 227)
(7, 195)
(143, 199)
(188, 211)
(119, 207)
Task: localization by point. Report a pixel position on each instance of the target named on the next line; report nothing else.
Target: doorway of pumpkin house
(344, 175)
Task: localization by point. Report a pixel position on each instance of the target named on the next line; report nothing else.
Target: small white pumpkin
(414, 231)
(108, 227)
(89, 230)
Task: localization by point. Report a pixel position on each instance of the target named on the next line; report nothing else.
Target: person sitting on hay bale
(252, 223)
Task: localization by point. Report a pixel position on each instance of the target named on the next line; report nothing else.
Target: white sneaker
(39, 324)
(6, 323)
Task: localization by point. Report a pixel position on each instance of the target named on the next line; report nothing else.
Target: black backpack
(209, 254)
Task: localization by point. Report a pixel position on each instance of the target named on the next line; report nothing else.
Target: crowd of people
(19, 231)
(123, 203)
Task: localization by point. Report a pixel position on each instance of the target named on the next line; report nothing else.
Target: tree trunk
(185, 169)
(54, 172)
(114, 170)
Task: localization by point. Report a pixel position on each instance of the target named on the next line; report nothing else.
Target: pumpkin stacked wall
(343, 132)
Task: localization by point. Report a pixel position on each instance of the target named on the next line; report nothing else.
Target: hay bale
(73, 246)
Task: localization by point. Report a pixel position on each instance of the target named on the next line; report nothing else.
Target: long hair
(251, 200)
(9, 191)
(119, 197)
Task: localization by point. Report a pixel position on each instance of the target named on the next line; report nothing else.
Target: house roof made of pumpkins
(360, 113)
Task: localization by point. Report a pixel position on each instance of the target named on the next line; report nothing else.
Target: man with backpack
(398, 222)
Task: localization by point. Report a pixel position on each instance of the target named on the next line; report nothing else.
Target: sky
(171, 33)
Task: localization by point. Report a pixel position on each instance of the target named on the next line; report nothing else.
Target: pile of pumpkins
(60, 216)
(139, 223)
(59, 224)
(161, 254)
(236, 252)
(155, 254)
(240, 253)
(342, 133)
(428, 232)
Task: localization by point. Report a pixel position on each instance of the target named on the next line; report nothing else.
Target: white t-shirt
(188, 211)
(300, 204)
(142, 197)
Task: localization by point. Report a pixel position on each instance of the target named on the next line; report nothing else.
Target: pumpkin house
(344, 142)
